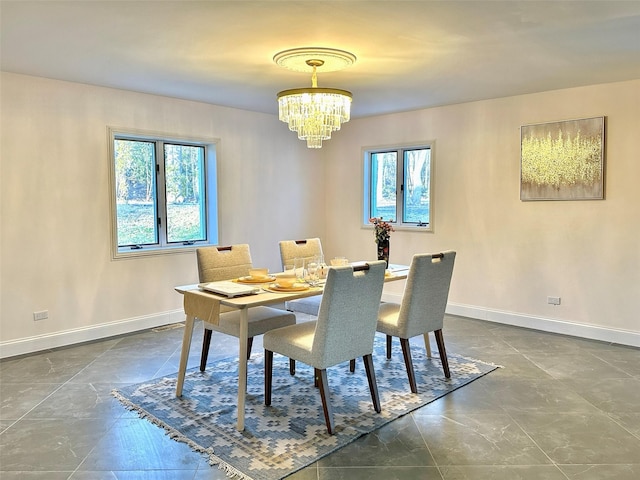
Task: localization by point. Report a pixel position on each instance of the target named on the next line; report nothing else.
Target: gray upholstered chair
(345, 329)
(422, 309)
(305, 249)
(226, 263)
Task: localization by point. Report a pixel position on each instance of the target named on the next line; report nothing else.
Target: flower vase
(383, 251)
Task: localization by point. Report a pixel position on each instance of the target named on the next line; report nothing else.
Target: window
(163, 195)
(398, 186)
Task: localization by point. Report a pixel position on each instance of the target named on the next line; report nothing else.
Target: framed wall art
(562, 160)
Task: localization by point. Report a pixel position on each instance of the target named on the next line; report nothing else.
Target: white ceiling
(410, 54)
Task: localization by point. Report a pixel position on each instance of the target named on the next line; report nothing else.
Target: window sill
(127, 253)
(406, 228)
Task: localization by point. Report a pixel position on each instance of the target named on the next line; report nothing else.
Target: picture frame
(562, 160)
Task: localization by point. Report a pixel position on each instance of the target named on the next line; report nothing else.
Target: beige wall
(512, 255)
(55, 228)
(55, 223)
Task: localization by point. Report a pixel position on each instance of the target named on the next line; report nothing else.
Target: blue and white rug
(290, 434)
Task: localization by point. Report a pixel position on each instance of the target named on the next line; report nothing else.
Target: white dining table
(204, 305)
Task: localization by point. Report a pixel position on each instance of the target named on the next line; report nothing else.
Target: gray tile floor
(561, 408)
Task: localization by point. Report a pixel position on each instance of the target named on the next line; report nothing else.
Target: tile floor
(561, 408)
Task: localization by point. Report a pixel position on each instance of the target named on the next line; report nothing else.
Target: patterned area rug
(291, 433)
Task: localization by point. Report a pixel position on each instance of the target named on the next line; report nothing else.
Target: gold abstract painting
(562, 160)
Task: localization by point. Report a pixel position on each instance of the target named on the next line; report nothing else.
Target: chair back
(425, 295)
(307, 249)
(223, 263)
(348, 314)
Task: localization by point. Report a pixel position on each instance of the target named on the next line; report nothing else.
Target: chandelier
(314, 112)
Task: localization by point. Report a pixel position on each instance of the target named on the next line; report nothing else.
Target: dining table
(205, 305)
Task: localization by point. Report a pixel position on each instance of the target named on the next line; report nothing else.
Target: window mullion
(400, 186)
(161, 197)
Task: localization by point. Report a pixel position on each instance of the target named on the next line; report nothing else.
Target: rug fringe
(229, 470)
(174, 434)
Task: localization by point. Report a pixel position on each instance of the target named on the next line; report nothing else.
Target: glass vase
(383, 251)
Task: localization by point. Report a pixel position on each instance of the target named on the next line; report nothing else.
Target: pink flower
(382, 230)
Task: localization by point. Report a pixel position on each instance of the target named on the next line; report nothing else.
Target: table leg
(184, 355)
(427, 344)
(242, 362)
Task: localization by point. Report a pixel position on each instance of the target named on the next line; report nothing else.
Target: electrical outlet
(42, 315)
(553, 300)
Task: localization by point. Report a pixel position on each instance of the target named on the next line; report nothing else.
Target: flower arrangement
(382, 230)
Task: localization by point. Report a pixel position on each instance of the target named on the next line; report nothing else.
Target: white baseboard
(592, 332)
(94, 332)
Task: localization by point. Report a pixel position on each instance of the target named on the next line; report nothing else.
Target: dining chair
(305, 249)
(226, 263)
(345, 329)
(422, 308)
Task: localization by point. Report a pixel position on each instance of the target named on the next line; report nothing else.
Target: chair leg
(292, 366)
(249, 345)
(373, 385)
(389, 337)
(352, 365)
(321, 375)
(427, 344)
(406, 353)
(443, 353)
(268, 373)
(206, 341)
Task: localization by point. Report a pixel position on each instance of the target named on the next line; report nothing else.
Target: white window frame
(398, 224)
(211, 146)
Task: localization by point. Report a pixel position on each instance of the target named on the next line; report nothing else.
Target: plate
(296, 287)
(255, 280)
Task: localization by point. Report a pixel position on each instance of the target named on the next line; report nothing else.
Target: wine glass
(312, 272)
(299, 269)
